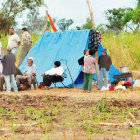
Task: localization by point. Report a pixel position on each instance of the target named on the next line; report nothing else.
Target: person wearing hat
(53, 75)
(9, 69)
(104, 62)
(29, 73)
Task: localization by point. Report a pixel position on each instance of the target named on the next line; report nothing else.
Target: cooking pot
(124, 69)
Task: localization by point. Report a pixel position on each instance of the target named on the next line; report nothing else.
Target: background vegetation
(121, 35)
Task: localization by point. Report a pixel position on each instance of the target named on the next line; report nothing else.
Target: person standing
(9, 69)
(104, 62)
(13, 41)
(89, 69)
(81, 60)
(26, 44)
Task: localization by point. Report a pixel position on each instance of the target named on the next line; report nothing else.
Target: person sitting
(29, 74)
(53, 75)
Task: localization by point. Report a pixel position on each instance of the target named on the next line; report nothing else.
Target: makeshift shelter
(67, 45)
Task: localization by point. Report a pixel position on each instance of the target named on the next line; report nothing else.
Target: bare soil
(70, 114)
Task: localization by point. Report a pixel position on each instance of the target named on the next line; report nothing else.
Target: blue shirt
(30, 69)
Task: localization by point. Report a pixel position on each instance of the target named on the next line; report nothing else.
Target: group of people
(8, 70)
(88, 63)
(13, 78)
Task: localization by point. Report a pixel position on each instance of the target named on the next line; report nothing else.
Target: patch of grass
(5, 112)
(13, 127)
(134, 130)
(32, 113)
(102, 106)
(122, 115)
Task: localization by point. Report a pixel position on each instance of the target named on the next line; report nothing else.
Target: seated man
(53, 75)
(29, 74)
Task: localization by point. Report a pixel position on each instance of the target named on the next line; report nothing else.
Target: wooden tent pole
(91, 14)
(93, 27)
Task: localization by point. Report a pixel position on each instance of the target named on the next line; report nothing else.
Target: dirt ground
(70, 114)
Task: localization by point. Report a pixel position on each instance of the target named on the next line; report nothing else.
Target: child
(9, 70)
(89, 69)
(104, 66)
(81, 60)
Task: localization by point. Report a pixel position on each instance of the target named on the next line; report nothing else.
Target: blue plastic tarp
(69, 46)
(56, 46)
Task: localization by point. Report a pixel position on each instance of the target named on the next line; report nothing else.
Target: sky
(78, 9)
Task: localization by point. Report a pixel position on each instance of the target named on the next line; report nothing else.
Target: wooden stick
(93, 27)
(91, 14)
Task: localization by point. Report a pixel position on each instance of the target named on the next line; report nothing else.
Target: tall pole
(91, 14)
(93, 27)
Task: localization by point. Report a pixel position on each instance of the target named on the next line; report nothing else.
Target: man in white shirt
(13, 41)
(53, 75)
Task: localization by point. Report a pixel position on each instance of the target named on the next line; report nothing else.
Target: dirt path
(70, 114)
(75, 93)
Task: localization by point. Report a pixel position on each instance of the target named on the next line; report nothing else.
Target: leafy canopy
(13, 8)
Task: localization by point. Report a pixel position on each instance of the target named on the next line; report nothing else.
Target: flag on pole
(50, 23)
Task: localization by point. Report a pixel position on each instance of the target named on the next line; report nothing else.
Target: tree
(101, 28)
(87, 25)
(132, 18)
(12, 8)
(64, 24)
(34, 22)
(115, 17)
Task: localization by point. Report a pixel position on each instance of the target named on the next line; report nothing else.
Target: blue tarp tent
(68, 45)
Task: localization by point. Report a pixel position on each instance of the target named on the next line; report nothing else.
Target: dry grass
(124, 49)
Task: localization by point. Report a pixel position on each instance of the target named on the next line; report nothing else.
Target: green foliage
(115, 17)
(34, 22)
(102, 107)
(133, 17)
(87, 25)
(101, 28)
(13, 8)
(120, 18)
(64, 24)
